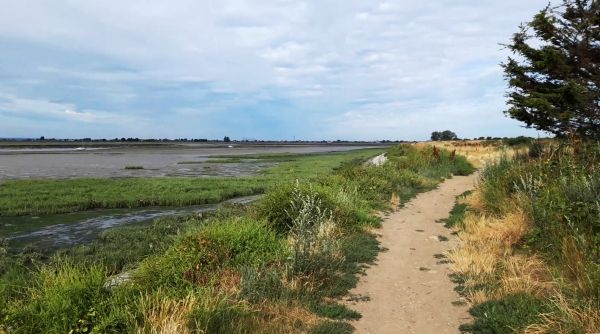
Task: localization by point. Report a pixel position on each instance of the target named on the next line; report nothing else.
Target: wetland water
(159, 160)
(61, 230)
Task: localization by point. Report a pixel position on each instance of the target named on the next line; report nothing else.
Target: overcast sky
(268, 69)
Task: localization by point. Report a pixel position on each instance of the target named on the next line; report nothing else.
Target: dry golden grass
(485, 254)
(478, 152)
(528, 274)
(504, 232)
(163, 315)
(229, 281)
(281, 317)
(395, 201)
(586, 318)
(475, 201)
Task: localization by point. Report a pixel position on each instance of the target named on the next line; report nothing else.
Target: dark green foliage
(277, 206)
(443, 135)
(332, 327)
(457, 214)
(335, 311)
(518, 141)
(505, 316)
(555, 78)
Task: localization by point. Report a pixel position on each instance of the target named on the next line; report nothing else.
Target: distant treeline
(192, 140)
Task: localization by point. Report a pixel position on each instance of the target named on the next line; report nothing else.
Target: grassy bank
(529, 259)
(278, 266)
(23, 197)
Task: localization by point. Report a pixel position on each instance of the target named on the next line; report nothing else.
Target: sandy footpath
(408, 288)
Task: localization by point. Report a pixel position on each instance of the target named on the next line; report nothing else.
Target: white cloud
(32, 108)
(412, 59)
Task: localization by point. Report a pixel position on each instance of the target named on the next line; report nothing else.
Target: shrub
(312, 235)
(518, 141)
(199, 256)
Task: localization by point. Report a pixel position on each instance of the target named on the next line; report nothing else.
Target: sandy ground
(408, 289)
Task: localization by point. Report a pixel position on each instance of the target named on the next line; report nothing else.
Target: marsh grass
(134, 167)
(36, 197)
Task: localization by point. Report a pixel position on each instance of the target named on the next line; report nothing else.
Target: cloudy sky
(268, 69)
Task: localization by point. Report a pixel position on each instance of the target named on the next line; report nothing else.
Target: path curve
(408, 288)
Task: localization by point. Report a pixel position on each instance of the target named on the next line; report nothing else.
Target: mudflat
(97, 160)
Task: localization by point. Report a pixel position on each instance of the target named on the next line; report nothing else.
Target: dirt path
(408, 288)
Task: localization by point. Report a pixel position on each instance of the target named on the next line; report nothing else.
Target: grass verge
(528, 260)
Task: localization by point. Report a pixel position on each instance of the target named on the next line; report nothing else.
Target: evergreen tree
(554, 77)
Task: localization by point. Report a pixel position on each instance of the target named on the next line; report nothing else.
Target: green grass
(36, 197)
(226, 160)
(457, 214)
(190, 162)
(332, 327)
(507, 315)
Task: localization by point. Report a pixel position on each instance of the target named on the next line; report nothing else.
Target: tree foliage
(443, 135)
(554, 75)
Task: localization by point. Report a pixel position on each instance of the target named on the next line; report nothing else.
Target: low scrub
(530, 243)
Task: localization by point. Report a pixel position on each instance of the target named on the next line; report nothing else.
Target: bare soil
(408, 290)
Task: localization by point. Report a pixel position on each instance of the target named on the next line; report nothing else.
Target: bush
(277, 207)
(518, 141)
(199, 256)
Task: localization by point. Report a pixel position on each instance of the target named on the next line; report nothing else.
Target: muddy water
(161, 160)
(61, 230)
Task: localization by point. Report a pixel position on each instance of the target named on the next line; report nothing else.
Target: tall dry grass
(477, 152)
(485, 254)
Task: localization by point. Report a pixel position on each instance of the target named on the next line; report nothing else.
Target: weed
(134, 167)
(507, 315)
(332, 327)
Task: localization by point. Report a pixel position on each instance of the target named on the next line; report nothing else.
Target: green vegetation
(23, 197)
(457, 214)
(226, 161)
(518, 141)
(554, 75)
(134, 167)
(536, 222)
(189, 162)
(276, 267)
(507, 315)
(443, 135)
